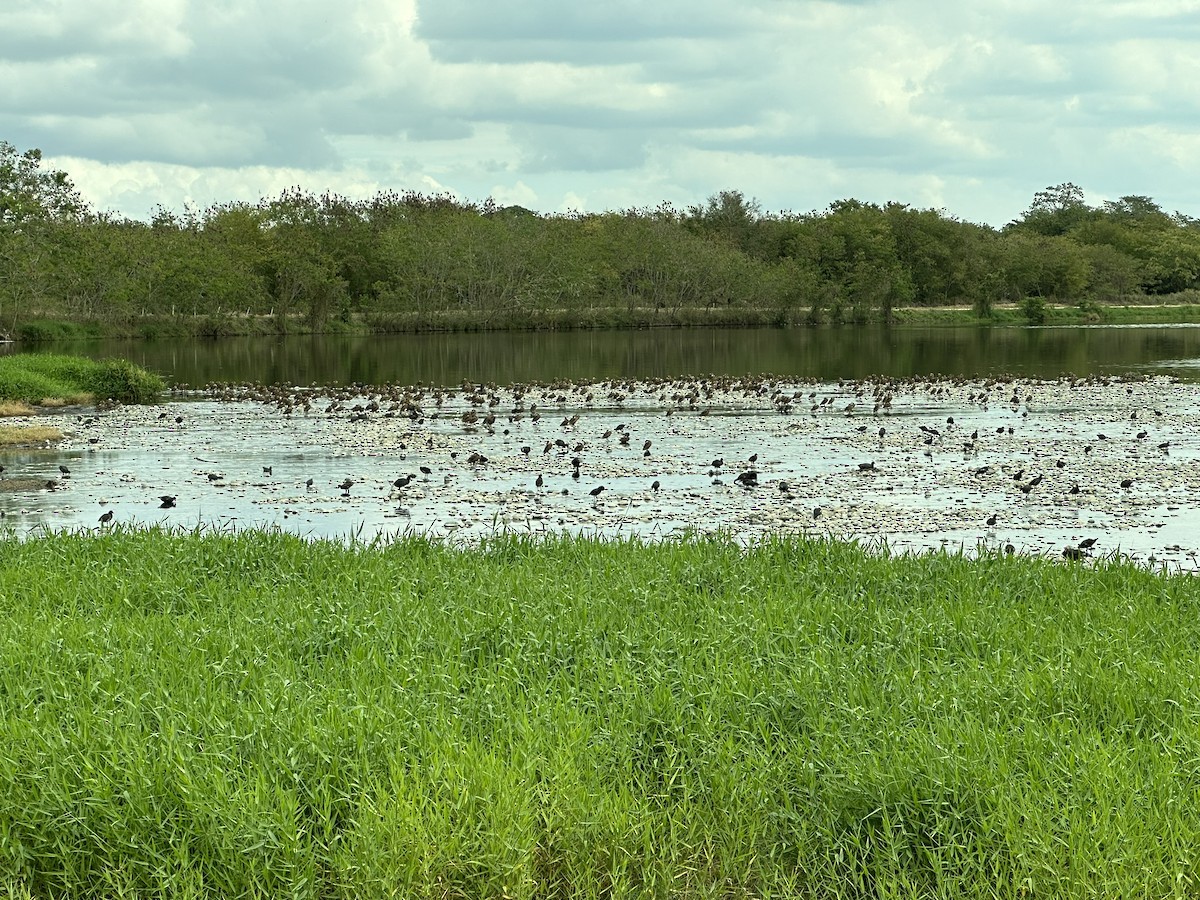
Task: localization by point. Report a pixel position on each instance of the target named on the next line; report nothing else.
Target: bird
(213, 476)
(346, 485)
(1073, 553)
(106, 517)
(540, 481)
(308, 483)
(867, 466)
(991, 520)
(817, 512)
(1126, 482)
(595, 492)
(167, 501)
(655, 485)
(66, 473)
(1087, 543)
(267, 470)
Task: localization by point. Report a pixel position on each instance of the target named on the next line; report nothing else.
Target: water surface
(828, 353)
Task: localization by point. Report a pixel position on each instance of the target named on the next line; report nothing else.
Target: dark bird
(1074, 489)
(753, 458)
(268, 470)
(1010, 549)
(65, 471)
(106, 517)
(1087, 543)
(346, 485)
(525, 450)
(425, 470)
(1073, 553)
(213, 476)
(167, 501)
(867, 466)
(646, 446)
(991, 520)
(539, 481)
(179, 420)
(784, 487)
(308, 484)
(1126, 482)
(655, 485)
(816, 512)
(748, 479)
(595, 492)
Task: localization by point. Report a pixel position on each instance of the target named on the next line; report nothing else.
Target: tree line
(303, 260)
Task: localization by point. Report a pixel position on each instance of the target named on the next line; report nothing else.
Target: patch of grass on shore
(28, 435)
(14, 408)
(254, 715)
(50, 379)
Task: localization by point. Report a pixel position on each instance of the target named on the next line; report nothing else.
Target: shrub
(119, 379)
(1034, 309)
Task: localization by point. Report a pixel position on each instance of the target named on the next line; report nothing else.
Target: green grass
(252, 715)
(50, 377)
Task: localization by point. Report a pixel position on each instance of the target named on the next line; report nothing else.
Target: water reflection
(824, 353)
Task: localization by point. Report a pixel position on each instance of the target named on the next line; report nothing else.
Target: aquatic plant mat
(250, 714)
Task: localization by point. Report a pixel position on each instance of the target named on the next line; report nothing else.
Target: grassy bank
(53, 379)
(253, 715)
(527, 319)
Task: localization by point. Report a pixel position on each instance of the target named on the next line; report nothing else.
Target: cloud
(973, 105)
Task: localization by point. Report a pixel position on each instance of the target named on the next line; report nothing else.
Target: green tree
(1055, 211)
(28, 193)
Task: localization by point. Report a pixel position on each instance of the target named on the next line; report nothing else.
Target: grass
(14, 408)
(50, 379)
(28, 435)
(253, 715)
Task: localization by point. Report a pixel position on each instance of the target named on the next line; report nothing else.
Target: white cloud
(971, 106)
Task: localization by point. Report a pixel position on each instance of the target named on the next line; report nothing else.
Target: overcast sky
(964, 105)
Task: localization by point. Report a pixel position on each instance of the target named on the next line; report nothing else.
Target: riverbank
(1183, 309)
(257, 714)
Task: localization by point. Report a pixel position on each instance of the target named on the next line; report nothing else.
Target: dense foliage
(409, 260)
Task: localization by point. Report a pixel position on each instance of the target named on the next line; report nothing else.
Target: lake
(827, 353)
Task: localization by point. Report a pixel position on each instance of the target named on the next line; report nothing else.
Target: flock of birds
(480, 412)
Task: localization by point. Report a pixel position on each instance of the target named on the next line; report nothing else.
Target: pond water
(822, 353)
(931, 483)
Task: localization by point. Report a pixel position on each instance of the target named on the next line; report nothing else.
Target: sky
(966, 106)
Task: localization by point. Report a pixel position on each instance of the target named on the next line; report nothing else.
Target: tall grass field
(253, 715)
